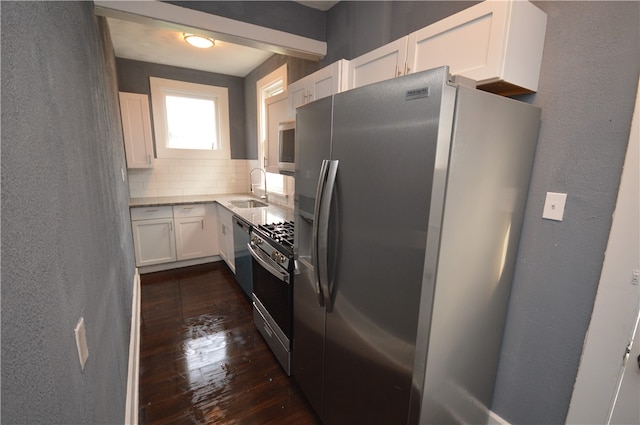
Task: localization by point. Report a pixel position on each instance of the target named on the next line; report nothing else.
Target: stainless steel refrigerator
(408, 207)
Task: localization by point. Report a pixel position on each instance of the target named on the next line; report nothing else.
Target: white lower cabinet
(167, 234)
(191, 234)
(153, 235)
(225, 237)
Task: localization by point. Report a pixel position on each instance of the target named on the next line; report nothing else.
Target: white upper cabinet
(383, 63)
(322, 83)
(496, 43)
(277, 108)
(136, 127)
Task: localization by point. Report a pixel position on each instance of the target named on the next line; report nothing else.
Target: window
(271, 85)
(190, 120)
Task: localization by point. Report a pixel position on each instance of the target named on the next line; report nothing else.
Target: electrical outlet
(81, 342)
(554, 206)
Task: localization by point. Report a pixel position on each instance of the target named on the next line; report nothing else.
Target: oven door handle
(266, 264)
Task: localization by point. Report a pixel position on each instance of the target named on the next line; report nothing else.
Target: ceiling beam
(187, 20)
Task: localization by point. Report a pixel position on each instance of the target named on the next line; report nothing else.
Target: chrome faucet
(266, 195)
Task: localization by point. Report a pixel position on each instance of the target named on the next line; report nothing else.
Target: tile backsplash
(179, 177)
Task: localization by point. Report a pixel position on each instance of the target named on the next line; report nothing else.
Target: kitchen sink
(248, 203)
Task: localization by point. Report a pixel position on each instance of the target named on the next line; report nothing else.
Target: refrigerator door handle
(323, 232)
(314, 230)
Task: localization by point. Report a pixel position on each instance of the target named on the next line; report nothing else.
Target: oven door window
(275, 295)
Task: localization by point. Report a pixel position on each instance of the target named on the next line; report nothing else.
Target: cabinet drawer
(195, 210)
(148, 213)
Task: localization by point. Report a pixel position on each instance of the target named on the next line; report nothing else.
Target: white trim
(132, 401)
(218, 27)
(177, 264)
(266, 81)
(160, 87)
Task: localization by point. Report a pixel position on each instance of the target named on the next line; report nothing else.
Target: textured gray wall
(357, 27)
(587, 90)
(67, 249)
(285, 16)
(133, 77)
(588, 84)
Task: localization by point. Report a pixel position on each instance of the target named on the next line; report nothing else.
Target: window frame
(276, 183)
(160, 88)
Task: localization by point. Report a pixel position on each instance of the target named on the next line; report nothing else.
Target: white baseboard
(178, 264)
(132, 403)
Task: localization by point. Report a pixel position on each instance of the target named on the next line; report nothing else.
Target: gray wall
(133, 76)
(67, 249)
(587, 89)
(357, 27)
(285, 16)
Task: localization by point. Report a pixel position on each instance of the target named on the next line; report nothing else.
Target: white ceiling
(157, 44)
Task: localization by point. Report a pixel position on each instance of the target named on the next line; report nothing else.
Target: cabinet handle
(202, 223)
(406, 69)
(187, 208)
(148, 159)
(398, 72)
(171, 226)
(150, 210)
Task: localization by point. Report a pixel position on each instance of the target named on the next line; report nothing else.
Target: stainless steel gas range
(271, 249)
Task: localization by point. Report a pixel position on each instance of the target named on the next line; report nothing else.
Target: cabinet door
(191, 239)
(326, 82)
(298, 94)
(211, 230)
(225, 237)
(492, 42)
(136, 128)
(277, 112)
(154, 241)
(329, 80)
(383, 63)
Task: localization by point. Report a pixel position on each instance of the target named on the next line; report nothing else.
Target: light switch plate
(554, 206)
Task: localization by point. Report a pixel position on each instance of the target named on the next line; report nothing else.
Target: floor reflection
(202, 360)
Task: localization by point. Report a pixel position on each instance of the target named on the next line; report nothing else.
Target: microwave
(286, 147)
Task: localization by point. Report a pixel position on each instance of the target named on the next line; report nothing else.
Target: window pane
(191, 123)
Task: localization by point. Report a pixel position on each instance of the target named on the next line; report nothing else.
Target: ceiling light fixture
(198, 41)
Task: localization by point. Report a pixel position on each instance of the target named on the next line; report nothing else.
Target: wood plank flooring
(202, 361)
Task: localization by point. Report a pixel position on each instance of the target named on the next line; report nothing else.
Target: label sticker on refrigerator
(417, 93)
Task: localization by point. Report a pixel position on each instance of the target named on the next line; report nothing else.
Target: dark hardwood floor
(202, 361)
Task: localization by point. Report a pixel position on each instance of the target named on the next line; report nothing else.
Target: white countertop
(264, 215)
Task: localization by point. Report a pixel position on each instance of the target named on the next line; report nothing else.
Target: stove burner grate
(281, 233)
